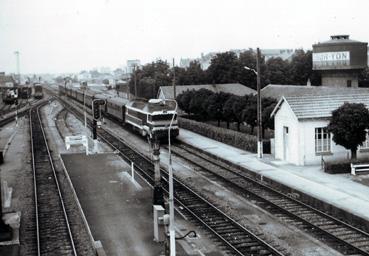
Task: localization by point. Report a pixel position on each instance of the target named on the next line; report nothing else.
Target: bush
(230, 137)
(336, 167)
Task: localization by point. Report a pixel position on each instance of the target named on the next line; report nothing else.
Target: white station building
(301, 135)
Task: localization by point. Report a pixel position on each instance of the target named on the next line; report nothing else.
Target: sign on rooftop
(322, 60)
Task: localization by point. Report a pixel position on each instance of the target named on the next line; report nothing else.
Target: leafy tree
(215, 105)
(184, 100)
(149, 78)
(301, 68)
(268, 105)
(223, 68)
(196, 105)
(228, 112)
(247, 77)
(348, 126)
(249, 114)
(277, 71)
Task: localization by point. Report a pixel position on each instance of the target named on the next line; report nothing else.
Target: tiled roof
(276, 91)
(322, 106)
(236, 89)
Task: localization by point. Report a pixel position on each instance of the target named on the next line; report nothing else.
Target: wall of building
(302, 140)
(286, 118)
(340, 79)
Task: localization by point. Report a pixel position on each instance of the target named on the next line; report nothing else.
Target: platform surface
(118, 209)
(341, 190)
(119, 212)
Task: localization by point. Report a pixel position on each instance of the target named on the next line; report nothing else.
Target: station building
(303, 113)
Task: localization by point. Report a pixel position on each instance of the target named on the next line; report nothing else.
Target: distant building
(131, 64)
(84, 76)
(105, 70)
(301, 135)
(166, 92)
(284, 54)
(6, 80)
(340, 61)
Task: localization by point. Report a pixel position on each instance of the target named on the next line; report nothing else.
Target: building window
(322, 140)
(365, 144)
(349, 83)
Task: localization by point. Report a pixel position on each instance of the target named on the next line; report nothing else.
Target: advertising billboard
(331, 60)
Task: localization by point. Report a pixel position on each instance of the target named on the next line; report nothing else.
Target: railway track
(341, 236)
(53, 233)
(234, 237)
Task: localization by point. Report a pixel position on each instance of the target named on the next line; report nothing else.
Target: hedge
(237, 139)
(336, 167)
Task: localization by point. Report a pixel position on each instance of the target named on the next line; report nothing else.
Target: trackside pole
(132, 171)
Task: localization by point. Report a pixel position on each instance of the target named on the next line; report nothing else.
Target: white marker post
(132, 172)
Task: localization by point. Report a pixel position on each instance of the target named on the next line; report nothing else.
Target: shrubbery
(230, 137)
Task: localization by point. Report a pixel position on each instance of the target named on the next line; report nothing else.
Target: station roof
(277, 91)
(320, 106)
(233, 88)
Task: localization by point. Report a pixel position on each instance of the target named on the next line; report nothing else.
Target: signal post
(96, 103)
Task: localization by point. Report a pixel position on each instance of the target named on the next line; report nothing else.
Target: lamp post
(258, 103)
(171, 190)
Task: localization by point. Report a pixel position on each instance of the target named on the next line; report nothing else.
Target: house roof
(6, 79)
(276, 91)
(236, 89)
(321, 106)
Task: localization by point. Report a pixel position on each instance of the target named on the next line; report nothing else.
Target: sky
(59, 36)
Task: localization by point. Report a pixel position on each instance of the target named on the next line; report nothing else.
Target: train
(38, 92)
(147, 117)
(10, 96)
(24, 91)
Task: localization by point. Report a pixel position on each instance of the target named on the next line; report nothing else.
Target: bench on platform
(359, 168)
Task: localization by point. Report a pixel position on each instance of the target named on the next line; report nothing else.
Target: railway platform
(119, 210)
(339, 192)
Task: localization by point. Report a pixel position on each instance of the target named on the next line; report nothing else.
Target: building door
(285, 143)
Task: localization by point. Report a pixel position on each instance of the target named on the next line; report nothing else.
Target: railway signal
(96, 108)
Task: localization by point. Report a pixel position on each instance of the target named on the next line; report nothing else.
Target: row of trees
(225, 67)
(207, 105)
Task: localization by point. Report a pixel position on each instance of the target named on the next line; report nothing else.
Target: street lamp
(258, 108)
(171, 191)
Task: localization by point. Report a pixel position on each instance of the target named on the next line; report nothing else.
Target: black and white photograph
(184, 128)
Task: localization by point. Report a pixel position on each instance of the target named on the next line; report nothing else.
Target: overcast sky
(71, 35)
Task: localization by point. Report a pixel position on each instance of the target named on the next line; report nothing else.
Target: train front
(160, 116)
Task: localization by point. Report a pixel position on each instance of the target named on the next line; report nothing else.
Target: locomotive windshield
(163, 117)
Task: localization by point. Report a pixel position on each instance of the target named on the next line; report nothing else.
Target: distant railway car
(38, 92)
(10, 96)
(24, 92)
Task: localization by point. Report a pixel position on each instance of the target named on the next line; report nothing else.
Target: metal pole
(84, 107)
(174, 81)
(158, 197)
(259, 110)
(172, 234)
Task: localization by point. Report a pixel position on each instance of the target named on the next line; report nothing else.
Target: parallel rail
(342, 236)
(237, 239)
(53, 233)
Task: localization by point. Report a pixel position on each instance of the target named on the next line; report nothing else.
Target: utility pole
(134, 73)
(259, 109)
(174, 81)
(18, 69)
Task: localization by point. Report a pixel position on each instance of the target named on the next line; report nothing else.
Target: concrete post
(5, 230)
